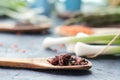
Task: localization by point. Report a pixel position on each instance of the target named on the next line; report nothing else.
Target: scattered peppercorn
(14, 45)
(67, 60)
(61, 46)
(54, 50)
(24, 50)
(16, 49)
(1, 44)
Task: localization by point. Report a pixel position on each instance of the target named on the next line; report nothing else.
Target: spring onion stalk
(82, 49)
(99, 39)
(54, 41)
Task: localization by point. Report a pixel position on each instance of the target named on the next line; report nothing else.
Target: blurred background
(40, 15)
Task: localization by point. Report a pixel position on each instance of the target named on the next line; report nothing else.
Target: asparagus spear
(102, 17)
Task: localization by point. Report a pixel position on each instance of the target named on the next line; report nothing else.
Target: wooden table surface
(29, 46)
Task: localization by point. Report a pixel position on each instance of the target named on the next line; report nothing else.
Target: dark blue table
(29, 46)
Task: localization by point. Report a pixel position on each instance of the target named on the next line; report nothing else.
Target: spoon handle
(21, 63)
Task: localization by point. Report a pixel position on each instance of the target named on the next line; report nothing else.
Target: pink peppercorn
(24, 51)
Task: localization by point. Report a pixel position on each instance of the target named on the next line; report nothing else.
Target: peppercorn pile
(67, 60)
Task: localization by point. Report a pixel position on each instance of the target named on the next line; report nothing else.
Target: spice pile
(67, 60)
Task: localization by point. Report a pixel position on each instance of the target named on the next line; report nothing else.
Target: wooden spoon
(38, 63)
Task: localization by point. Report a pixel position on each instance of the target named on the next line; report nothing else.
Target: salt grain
(24, 51)
(61, 45)
(1, 44)
(16, 49)
(54, 50)
(14, 45)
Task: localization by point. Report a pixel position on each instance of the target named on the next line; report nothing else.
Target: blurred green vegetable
(11, 5)
(98, 18)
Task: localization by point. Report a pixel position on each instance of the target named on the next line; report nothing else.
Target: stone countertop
(29, 46)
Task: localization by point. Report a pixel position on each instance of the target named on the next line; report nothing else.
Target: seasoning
(14, 45)
(54, 50)
(1, 44)
(16, 49)
(24, 50)
(67, 60)
(61, 46)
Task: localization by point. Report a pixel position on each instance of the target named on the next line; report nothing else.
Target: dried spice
(67, 60)
(16, 49)
(1, 44)
(14, 45)
(24, 50)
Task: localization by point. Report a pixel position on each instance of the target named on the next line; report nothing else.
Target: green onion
(100, 39)
(91, 39)
(81, 49)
